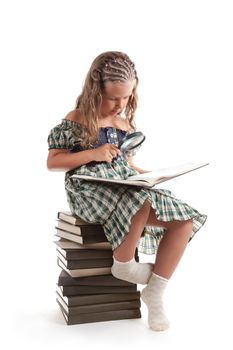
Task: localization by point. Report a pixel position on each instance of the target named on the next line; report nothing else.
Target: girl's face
(115, 97)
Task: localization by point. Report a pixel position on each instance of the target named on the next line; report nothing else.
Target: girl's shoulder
(118, 122)
(74, 116)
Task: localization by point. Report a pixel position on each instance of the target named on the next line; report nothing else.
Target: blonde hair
(111, 66)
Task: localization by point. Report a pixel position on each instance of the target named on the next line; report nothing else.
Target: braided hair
(112, 66)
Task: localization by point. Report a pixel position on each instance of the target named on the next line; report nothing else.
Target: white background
(183, 54)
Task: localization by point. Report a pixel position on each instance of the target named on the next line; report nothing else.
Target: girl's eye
(115, 99)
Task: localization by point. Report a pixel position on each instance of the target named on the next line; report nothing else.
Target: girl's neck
(105, 121)
(111, 121)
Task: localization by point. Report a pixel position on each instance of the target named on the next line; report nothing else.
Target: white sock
(152, 297)
(132, 271)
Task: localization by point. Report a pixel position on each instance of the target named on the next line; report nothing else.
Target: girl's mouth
(117, 112)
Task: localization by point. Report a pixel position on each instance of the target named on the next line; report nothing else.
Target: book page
(149, 179)
(166, 173)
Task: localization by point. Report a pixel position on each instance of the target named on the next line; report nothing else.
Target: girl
(86, 142)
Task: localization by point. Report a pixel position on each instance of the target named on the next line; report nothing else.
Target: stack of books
(86, 289)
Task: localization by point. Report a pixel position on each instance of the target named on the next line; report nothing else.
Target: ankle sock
(132, 271)
(152, 297)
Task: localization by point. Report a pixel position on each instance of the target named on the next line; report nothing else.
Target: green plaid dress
(114, 206)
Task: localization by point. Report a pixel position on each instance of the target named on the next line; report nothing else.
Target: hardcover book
(67, 244)
(149, 179)
(83, 254)
(87, 309)
(72, 219)
(94, 290)
(100, 316)
(85, 264)
(85, 272)
(65, 279)
(78, 300)
(80, 230)
(87, 239)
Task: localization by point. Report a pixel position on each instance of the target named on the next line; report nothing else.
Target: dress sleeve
(62, 136)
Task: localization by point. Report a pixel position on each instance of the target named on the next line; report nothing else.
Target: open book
(149, 179)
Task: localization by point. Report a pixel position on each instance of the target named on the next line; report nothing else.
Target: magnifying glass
(132, 142)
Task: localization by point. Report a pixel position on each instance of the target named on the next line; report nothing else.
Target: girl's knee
(185, 225)
(189, 224)
(146, 207)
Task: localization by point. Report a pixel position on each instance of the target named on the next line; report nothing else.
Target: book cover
(72, 219)
(100, 316)
(85, 272)
(80, 239)
(106, 306)
(149, 179)
(78, 300)
(85, 264)
(80, 230)
(64, 279)
(83, 254)
(67, 244)
(94, 290)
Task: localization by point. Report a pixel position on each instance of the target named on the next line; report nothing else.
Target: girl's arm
(63, 160)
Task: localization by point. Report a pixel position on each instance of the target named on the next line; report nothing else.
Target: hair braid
(111, 66)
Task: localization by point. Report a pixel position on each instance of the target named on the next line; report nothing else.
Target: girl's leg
(125, 267)
(126, 250)
(172, 245)
(170, 251)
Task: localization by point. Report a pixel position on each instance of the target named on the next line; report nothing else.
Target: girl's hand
(105, 153)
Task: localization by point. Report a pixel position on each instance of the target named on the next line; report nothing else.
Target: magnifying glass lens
(132, 142)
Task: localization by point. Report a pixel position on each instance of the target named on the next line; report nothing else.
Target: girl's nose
(120, 104)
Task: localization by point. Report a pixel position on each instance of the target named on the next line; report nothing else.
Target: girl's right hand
(105, 153)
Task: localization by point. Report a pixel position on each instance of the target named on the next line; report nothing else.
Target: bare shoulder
(74, 116)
